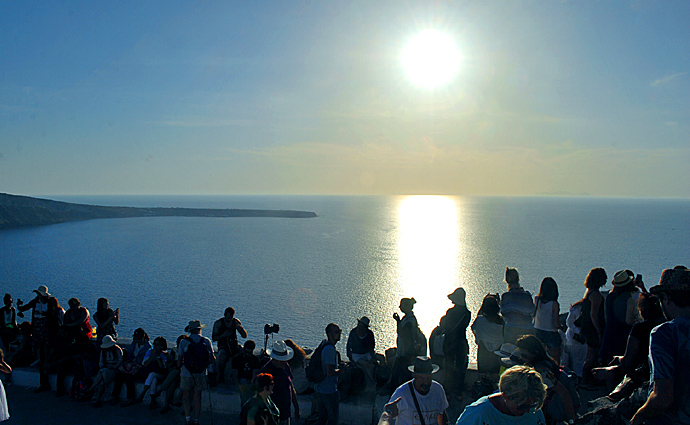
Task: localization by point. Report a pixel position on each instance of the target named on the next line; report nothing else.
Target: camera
(270, 329)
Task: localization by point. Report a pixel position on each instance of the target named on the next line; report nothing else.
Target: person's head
(596, 278)
(249, 346)
(490, 306)
(363, 324)
(407, 304)
(7, 300)
(74, 303)
(299, 351)
(422, 373)
(333, 332)
(623, 281)
(673, 291)
(457, 297)
(548, 290)
(229, 314)
(102, 304)
(160, 343)
(140, 335)
(512, 278)
(649, 307)
(194, 327)
(42, 292)
(532, 349)
(523, 390)
(180, 338)
(263, 383)
(25, 328)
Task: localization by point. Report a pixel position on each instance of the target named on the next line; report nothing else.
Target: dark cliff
(23, 211)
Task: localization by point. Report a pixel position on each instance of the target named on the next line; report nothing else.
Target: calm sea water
(359, 257)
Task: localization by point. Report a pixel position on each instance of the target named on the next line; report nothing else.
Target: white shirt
(432, 404)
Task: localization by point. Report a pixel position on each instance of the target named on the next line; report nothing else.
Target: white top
(544, 317)
(488, 333)
(432, 404)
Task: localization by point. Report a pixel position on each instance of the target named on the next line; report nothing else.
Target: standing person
(326, 398)
(593, 322)
(546, 322)
(518, 402)
(620, 310)
(76, 321)
(4, 409)
(224, 333)
(517, 308)
(419, 398)
(360, 351)
(194, 357)
(8, 322)
(284, 394)
(105, 319)
(406, 351)
(260, 409)
(247, 365)
(488, 334)
(455, 346)
(669, 354)
(46, 319)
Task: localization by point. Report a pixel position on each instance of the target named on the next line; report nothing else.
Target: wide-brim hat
(107, 342)
(42, 290)
(458, 296)
(281, 351)
(622, 278)
(506, 349)
(676, 279)
(423, 365)
(194, 324)
(364, 320)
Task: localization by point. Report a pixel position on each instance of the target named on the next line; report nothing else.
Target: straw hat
(281, 351)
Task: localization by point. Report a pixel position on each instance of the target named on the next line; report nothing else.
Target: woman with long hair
(592, 321)
(105, 318)
(546, 323)
(488, 334)
(298, 363)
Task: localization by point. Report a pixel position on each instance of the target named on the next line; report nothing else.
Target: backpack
(314, 369)
(436, 341)
(420, 343)
(196, 356)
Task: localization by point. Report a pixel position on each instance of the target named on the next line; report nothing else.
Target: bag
(437, 339)
(196, 356)
(420, 343)
(130, 368)
(314, 369)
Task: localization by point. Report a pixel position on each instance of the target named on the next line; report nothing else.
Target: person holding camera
(224, 333)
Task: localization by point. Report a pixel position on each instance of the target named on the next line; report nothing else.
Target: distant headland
(24, 211)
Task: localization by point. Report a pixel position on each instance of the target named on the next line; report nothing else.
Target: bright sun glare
(430, 59)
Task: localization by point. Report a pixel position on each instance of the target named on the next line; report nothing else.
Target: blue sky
(552, 97)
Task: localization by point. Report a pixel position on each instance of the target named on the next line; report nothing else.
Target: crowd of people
(633, 341)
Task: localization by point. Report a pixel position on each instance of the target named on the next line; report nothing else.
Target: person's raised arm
(240, 329)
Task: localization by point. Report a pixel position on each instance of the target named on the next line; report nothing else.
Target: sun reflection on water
(428, 252)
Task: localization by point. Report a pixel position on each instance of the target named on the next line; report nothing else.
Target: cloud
(667, 79)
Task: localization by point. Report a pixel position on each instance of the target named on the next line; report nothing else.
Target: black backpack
(196, 356)
(314, 368)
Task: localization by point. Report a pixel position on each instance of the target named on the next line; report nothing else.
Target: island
(24, 211)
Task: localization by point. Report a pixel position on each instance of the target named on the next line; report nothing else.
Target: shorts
(552, 339)
(196, 382)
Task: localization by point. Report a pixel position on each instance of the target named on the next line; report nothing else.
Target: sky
(311, 97)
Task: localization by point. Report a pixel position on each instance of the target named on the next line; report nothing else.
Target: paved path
(27, 408)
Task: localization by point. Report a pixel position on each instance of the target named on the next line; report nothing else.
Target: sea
(357, 258)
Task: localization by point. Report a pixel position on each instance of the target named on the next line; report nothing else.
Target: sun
(430, 59)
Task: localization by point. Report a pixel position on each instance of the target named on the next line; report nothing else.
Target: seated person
(247, 365)
(24, 356)
(157, 364)
(225, 332)
(360, 350)
(131, 369)
(110, 360)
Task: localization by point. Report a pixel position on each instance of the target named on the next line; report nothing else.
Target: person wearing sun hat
(284, 394)
(669, 354)
(46, 319)
(194, 356)
(620, 309)
(419, 397)
(360, 350)
(455, 347)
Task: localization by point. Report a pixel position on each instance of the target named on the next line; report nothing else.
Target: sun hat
(675, 279)
(423, 365)
(194, 324)
(281, 351)
(107, 341)
(458, 296)
(42, 290)
(622, 278)
(506, 349)
(515, 358)
(364, 320)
